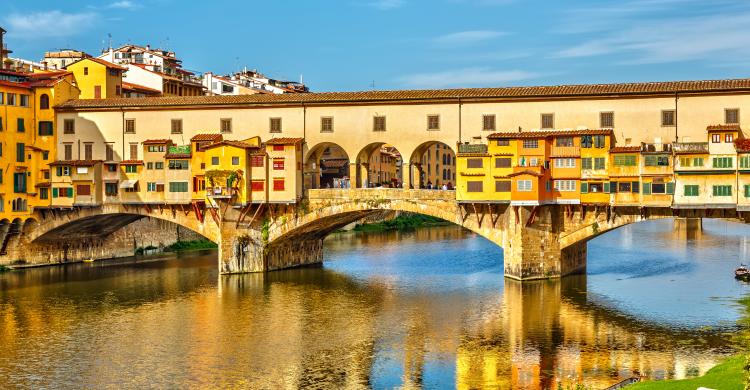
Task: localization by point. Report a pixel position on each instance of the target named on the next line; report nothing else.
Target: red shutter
(278, 164)
(84, 190)
(257, 185)
(256, 161)
(278, 148)
(278, 184)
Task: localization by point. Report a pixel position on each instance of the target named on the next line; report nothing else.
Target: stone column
(354, 174)
(406, 175)
(534, 252)
(246, 251)
(364, 175)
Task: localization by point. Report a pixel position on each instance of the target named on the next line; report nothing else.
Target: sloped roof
(625, 149)
(549, 133)
(284, 141)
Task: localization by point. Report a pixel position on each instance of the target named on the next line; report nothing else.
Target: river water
(422, 309)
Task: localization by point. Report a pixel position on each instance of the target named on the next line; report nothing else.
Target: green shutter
(670, 188)
(21, 127)
(747, 190)
(70, 192)
(646, 188)
(54, 192)
(606, 187)
(584, 187)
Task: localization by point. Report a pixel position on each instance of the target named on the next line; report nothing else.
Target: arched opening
(327, 166)
(18, 205)
(44, 102)
(432, 165)
(380, 166)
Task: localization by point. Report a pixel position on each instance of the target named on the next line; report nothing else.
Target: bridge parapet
(382, 193)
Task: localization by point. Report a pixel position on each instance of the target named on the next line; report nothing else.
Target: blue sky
(349, 44)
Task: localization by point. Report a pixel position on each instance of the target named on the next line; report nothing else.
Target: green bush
(181, 246)
(406, 222)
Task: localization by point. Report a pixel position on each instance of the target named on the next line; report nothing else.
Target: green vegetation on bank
(4, 268)
(181, 246)
(728, 375)
(405, 222)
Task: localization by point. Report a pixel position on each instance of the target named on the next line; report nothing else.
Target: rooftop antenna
(109, 36)
(301, 79)
(372, 85)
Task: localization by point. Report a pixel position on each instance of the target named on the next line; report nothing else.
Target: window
(24, 100)
(45, 128)
(523, 185)
(11, 99)
(728, 138)
(586, 163)
(45, 155)
(715, 138)
(659, 188)
(179, 165)
(565, 185)
(587, 141)
(502, 162)
(732, 116)
(44, 193)
(599, 163)
(83, 190)
(63, 171)
(274, 125)
(1, 124)
(667, 117)
(747, 190)
(154, 187)
(600, 141)
(326, 124)
(656, 161)
(256, 160)
(565, 163)
(488, 122)
(129, 126)
(745, 162)
(722, 190)
(132, 168)
(624, 160)
(176, 126)
(530, 143)
(685, 161)
(134, 151)
(109, 152)
(278, 148)
(502, 142)
(156, 148)
(88, 151)
(623, 186)
(63, 192)
(69, 126)
(178, 186)
(378, 123)
(19, 182)
(278, 184)
(159, 165)
(698, 161)
(44, 102)
(21, 125)
(68, 151)
(20, 152)
(607, 120)
(564, 141)
(85, 70)
(474, 186)
(225, 124)
(433, 122)
(691, 190)
(548, 121)
(278, 164)
(257, 185)
(474, 163)
(110, 189)
(149, 165)
(502, 186)
(2, 101)
(235, 160)
(722, 162)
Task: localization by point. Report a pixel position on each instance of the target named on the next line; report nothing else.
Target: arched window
(44, 102)
(444, 172)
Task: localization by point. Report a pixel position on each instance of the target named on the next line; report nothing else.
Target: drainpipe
(122, 128)
(676, 137)
(459, 119)
(302, 147)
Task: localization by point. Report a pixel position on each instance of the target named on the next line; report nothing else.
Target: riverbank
(405, 222)
(729, 375)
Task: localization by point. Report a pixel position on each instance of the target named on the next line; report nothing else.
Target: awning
(128, 184)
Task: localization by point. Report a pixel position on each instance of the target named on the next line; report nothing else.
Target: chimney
(2, 48)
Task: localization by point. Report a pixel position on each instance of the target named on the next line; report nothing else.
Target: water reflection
(423, 309)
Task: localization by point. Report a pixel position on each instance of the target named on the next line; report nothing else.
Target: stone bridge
(538, 241)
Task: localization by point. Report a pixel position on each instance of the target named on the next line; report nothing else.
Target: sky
(353, 45)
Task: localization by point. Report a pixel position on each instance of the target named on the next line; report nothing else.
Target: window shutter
(670, 188)
(636, 187)
(606, 187)
(584, 187)
(747, 191)
(646, 188)
(54, 192)
(70, 192)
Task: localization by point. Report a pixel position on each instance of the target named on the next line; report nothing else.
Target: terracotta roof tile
(335, 163)
(75, 163)
(648, 88)
(549, 133)
(157, 141)
(173, 156)
(625, 149)
(101, 62)
(723, 128)
(525, 172)
(126, 86)
(131, 162)
(236, 144)
(284, 141)
(207, 137)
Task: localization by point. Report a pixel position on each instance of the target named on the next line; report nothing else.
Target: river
(428, 308)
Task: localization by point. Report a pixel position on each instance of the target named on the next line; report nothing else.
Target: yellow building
(483, 171)
(595, 186)
(234, 172)
(198, 162)
(96, 78)
(76, 183)
(625, 175)
(285, 169)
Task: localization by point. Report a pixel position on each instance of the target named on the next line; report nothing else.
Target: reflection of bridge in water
(538, 241)
(313, 327)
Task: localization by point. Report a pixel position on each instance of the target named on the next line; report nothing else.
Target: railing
(690, 147)
(656, 148)
(472, 148)
(566, 151)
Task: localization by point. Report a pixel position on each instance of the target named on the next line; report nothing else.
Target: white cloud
(123, 4)
(467, 37)
(47, 24)
(385, 5)
(466, 77)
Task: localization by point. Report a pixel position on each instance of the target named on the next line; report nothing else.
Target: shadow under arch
(432, 162)
(326, 166)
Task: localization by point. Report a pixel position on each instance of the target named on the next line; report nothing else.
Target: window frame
(726, 116)
(551, 116)
(673, 114)
(602, 117)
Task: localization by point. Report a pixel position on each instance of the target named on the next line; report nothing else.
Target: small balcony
(656, 148)
(690, 147)
(566, 151)
(220, 192)
(472, 148)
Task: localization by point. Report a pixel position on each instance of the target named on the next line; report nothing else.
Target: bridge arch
(433, 162)
(380, 165)
(326, 166)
